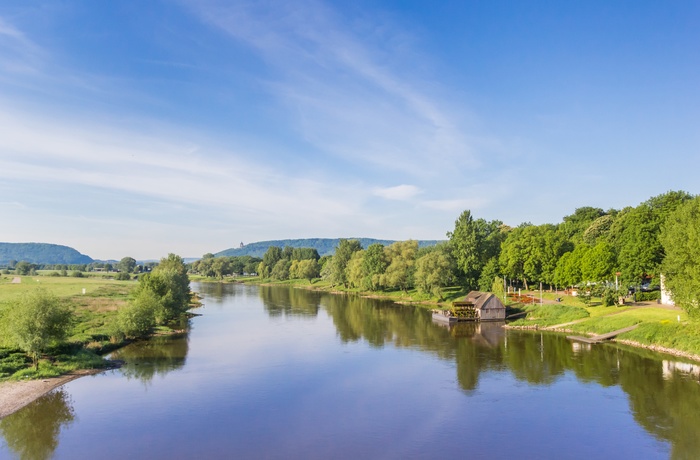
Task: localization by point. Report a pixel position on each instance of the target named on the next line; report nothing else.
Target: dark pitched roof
(479, 299)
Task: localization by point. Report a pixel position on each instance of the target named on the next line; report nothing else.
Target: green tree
(574, 226)
(343, 253)
(636, 238)
(473, 243)
(271, 256)
(598, 264)
(38, 320)
(127, 265)
(170, 284)
(307, 269)
(402, 259)
(353, 270)
(374, 265)
(280, 271)
(680, 237)
(434, 271)
(23, 268)
(221, 267)
(530, 253)
(568, 270)
(491, 270)
(139, 317)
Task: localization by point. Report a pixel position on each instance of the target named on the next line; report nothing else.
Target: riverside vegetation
(48, 327)
(605, 255)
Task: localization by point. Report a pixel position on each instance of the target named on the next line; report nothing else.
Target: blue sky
(137, 128)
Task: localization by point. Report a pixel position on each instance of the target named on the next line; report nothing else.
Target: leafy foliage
(37, 320)
(323, 246)
(681, 241)
(473, 244)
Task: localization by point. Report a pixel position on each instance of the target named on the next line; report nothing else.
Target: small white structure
(665, 295)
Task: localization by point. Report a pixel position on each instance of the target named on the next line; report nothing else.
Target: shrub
(647, 296)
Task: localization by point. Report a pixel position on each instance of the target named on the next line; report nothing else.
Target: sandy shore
(16, 395)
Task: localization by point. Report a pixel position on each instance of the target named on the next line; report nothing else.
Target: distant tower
(242, 244)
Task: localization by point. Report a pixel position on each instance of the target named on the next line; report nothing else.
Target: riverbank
(14, 395)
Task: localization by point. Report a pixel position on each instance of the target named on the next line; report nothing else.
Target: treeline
(126, 265)
(590, 247)
(220, 267)
(291, 263)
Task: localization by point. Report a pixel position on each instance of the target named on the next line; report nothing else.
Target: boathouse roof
(483, 300)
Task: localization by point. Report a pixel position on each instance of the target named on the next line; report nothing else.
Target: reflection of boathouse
(477, 306)
(488, 334)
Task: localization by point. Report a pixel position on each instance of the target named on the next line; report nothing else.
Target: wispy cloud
(18, 54)
(399, 192)
(351, 90)
(91, 155)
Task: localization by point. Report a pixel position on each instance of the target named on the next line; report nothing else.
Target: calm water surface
(284, 373)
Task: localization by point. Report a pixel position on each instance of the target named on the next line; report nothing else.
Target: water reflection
(32, 433)
(663, 394)
(157, 356)
(662, 397)
(288, 301)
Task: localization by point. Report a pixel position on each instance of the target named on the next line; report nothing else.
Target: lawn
(95, 316)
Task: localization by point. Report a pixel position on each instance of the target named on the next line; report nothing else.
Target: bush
(647, 296)
(123, 276)
(139, 318)
(610, 296)
(77, 274)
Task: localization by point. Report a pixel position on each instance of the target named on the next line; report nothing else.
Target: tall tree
(402, 258)
(680, 237)
(343, 253)
(639, 250)
(530, 253)
(374, 265)
(434, 271)
(576, 224)
(170, 283)
(473, 243)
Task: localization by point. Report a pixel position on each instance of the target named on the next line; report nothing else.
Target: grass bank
(95, 303)
(659, 327)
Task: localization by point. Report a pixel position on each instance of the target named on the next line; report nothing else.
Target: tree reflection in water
(156, 356)
(666, 405)
(289, 301)
(32, 433)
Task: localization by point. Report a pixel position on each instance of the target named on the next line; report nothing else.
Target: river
(275, 372)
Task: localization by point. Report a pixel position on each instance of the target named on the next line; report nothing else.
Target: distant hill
(324, 246)
(41, 253)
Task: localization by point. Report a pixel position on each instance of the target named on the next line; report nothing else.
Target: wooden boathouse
(477, 306)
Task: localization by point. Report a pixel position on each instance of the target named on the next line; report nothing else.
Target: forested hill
(41, 253)
(324, 246)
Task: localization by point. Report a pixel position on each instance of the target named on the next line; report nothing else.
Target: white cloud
(400, 192)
